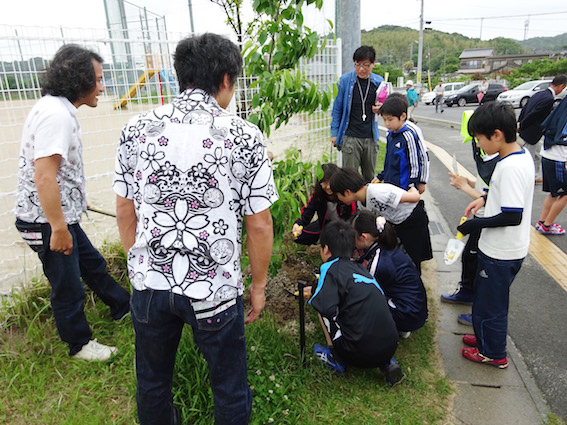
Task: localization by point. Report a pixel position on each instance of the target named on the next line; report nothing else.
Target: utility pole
(526, 26)
(191, 16)
(347, 20)
(481, 22)
(420, 52)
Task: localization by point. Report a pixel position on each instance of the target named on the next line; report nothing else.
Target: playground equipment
(163, 75)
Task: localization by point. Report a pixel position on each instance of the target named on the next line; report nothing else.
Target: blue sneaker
(324, 354)
(461, 296)
(394, 373)
(465, 319)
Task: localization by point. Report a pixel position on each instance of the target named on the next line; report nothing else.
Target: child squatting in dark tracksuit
(353, 310)
(393, 270)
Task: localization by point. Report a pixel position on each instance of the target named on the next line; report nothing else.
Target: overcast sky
(445, 15)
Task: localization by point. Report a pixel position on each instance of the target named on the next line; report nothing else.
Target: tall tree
(274, 43)
(233, 12)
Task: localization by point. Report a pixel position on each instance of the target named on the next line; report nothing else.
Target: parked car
(450, 88)
(519, 96)
(468, 94)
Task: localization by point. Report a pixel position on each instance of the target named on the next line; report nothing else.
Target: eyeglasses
(364, 65)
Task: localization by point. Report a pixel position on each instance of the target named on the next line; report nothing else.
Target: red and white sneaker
(470, 340)
(472, 354)
(554, 229)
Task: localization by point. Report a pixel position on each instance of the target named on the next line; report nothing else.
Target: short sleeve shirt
(511, 189)
(555, 153)
(384, 199)
(51, 128)
(193, 171)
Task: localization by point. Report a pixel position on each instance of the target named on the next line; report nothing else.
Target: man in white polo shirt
(51, 199)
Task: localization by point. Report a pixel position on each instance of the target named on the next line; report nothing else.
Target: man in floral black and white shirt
(187, 174)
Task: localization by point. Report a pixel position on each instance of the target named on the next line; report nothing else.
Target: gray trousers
(534, 150)
(360, 153)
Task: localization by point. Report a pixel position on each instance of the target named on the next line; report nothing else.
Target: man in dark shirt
(354, 128)
(532, 116)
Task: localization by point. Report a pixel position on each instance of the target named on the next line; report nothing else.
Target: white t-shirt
(193, 171)
(511, 189)
(384, 199)
(51, 128)
(555, 153)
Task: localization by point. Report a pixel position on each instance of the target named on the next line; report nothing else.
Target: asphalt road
(538, 306)
(452, 114)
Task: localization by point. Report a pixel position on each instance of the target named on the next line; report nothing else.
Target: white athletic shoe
(95, 352)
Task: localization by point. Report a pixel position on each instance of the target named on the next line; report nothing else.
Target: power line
(445, 27)
(497, 17)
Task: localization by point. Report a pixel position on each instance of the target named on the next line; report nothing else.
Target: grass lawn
(40, 384)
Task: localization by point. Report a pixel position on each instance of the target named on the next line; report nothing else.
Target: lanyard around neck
(363, 98)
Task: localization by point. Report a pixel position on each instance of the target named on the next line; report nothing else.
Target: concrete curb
(435, 121)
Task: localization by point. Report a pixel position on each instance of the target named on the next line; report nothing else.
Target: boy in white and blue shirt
(505, 235)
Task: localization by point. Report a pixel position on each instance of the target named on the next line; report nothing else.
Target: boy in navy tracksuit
(406, 162)
(356, 320)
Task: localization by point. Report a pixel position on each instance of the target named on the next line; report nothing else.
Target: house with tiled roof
(484, 61)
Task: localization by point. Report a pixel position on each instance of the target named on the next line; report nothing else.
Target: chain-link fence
(138, 73)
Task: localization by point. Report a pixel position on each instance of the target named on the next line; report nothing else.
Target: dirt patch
(281, 301)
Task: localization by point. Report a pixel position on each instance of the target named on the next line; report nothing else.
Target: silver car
(519, 96)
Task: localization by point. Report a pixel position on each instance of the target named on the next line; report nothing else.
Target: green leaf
(288, 78)
(299, 19)
(325, 102)
(262, 37)
(282, 86)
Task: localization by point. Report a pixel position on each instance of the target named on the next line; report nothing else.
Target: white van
(450, 88)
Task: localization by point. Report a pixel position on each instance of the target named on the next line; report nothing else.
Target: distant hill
(546, 44)
(441, 50)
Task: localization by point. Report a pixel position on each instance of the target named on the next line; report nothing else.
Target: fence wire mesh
(137, 73)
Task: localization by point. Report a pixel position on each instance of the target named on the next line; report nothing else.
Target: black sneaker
(394, 373)
(461, 296)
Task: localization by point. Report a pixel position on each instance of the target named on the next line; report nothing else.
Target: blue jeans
(159, 317)
(490, 303)
(64, 273)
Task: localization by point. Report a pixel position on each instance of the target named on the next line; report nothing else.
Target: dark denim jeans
(159, 317)
(64, 274)
(490, 303)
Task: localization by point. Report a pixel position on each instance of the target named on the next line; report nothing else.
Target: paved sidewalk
(484, 395)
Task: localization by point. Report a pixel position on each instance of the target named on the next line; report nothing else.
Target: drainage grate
(435, 228)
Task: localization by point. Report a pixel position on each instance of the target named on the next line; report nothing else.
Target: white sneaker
(93, 352)
(404, 335)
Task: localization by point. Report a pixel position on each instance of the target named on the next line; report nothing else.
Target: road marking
(545, 252)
